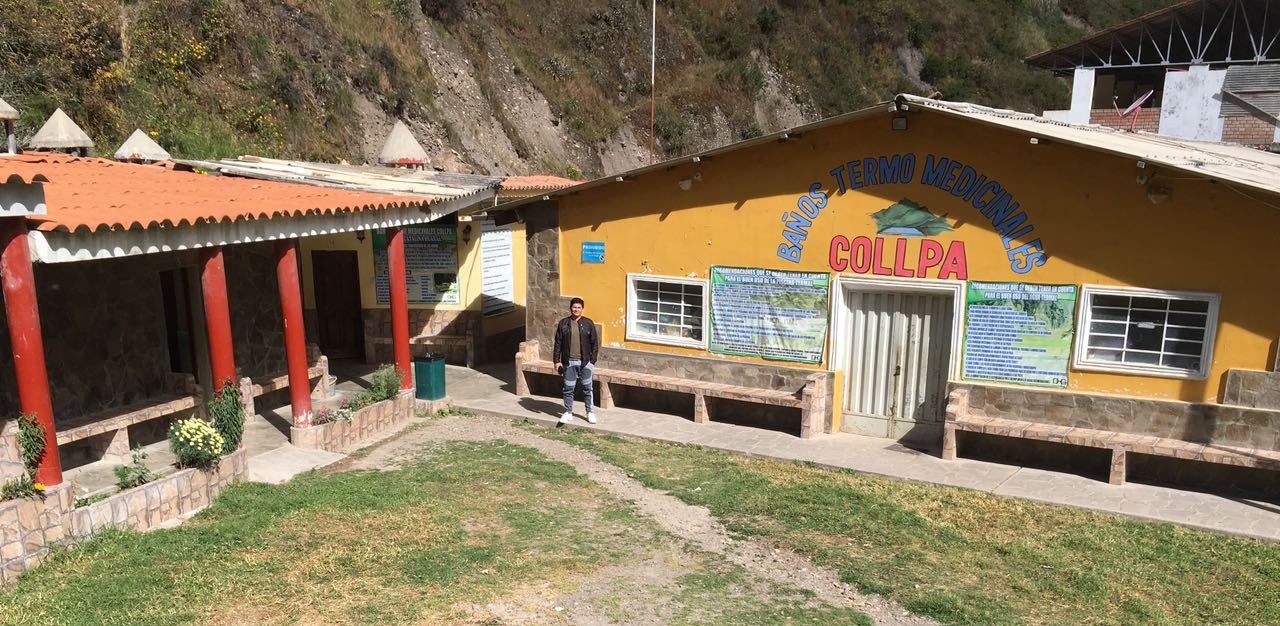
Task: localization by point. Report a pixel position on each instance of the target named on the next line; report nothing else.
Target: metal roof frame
(1191, 32)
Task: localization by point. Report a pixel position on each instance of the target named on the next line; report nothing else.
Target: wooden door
(336, 277)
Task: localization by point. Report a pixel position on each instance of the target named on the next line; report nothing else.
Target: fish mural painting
(909, 219)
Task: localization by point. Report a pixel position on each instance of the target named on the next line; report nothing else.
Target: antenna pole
(653, 70)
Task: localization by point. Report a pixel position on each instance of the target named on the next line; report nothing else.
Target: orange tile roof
(98, 194)
(536, 182)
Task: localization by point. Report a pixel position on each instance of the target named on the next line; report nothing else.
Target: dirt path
(695, 524)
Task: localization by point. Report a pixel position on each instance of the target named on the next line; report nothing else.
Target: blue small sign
(593, 252)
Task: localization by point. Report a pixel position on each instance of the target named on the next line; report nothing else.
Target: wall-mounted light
(899, 122)
(466, 234)
(360, 236)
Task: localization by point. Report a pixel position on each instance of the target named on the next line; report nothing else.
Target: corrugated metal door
(900, 355)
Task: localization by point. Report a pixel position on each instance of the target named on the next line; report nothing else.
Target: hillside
(506, 86)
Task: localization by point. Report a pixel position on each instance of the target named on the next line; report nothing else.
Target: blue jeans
(573, 372)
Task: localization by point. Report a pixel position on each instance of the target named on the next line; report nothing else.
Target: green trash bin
(428, 376)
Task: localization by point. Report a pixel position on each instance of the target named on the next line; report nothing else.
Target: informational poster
(1019, 333)
(497, 269)
(771, 314)
(431, 265)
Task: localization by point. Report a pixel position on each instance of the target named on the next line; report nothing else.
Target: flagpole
(653, 67)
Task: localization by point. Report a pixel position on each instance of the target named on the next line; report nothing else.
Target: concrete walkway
(491, 392)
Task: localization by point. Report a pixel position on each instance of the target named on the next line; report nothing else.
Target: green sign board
(770, 314)
(1019, 333)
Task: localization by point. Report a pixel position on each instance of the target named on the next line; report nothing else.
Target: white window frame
(634, 335)
(1080, 360)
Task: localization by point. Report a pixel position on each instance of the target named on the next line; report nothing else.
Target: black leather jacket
(590, 341)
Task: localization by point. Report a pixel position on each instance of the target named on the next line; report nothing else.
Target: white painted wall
(1192, 104)
(1081, 96)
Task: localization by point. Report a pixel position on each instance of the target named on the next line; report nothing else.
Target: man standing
(576, 348)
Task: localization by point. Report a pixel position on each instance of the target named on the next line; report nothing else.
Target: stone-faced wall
(257, 326)
(1195, 422)
(1254, 389)
(544, 305)
(29, 528)
(422, 323)
(367, 422)
(104, 332)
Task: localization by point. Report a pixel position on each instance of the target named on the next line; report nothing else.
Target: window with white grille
(1143, 331)
(666, 310)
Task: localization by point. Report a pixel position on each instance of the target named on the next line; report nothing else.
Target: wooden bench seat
(1119, 443)
(807, 399)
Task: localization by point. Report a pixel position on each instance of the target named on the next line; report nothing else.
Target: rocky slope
(511, 86)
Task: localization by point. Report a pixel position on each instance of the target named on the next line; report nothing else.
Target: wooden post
(19, 283)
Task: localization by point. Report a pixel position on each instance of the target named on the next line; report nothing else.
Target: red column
(399, 305)
(23, 313)
(295, 336)
(217, 317)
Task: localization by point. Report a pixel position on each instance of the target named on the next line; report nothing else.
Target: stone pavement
(491, 392)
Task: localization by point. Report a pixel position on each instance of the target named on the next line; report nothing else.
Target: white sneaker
(591, 417)
(566, 418)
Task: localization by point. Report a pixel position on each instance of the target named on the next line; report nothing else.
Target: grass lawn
(468, 533)
(965, 557)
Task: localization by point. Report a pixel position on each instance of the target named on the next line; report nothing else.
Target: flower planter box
(28, 528)
(364, 424)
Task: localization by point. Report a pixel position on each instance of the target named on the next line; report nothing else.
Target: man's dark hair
(577, 301)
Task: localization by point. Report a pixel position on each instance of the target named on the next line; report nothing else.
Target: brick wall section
(1148, 120)
(1195, 422)
(29, 528)
(366, 423)
(1248, 130)
(1248, 388)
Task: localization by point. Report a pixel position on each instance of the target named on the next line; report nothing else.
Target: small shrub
(135, 473)
(343, 413)
(384, 384)
(30, 442)
(195, 442)
(94, 499)
(226, 412)
(22, 487)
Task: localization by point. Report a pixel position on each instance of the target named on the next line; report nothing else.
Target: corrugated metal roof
(416, 182)
(1224, 162)
(1258, 86)
(1231, 163)
(99, 195)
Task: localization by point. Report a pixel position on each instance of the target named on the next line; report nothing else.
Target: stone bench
(810, 399)
(113, 424)
(959, 418)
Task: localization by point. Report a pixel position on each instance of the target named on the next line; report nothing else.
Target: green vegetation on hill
(286, 78)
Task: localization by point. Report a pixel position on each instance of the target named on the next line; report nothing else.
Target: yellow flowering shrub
(195, 442)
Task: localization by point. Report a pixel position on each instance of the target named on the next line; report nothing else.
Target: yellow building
(1071, 275)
